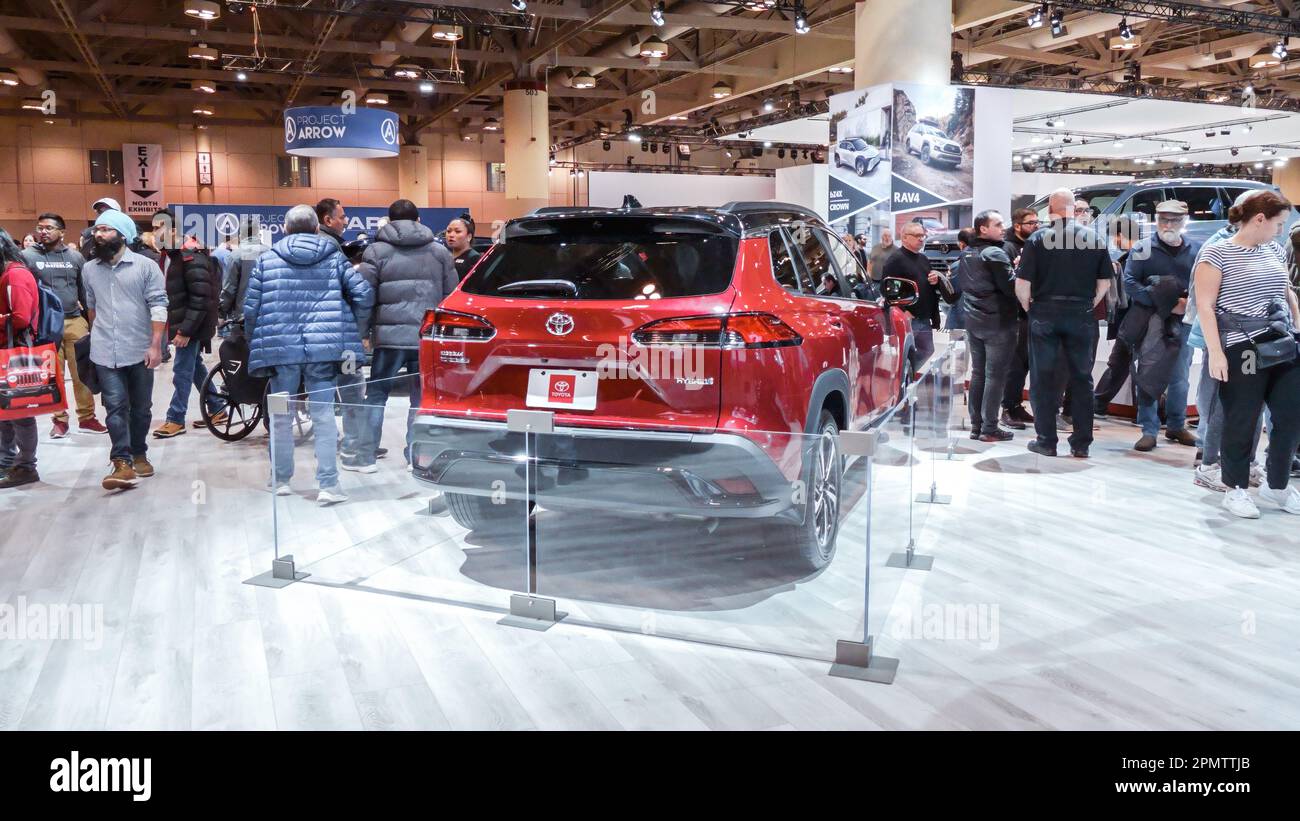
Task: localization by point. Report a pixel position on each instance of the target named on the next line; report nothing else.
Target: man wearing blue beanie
(126, 301)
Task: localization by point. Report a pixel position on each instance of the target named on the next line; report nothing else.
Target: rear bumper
(656, 472)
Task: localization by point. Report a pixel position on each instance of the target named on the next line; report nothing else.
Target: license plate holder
(561, 389)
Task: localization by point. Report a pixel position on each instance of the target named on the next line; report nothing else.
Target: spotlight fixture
(841, 69)
(1120, 43)
(768, 105)
(1036, 17)
(1117, 144)
(1186, 147)
(1235, 151)
(1268, 152)
(205, 86)
(1265, 58)
(376, 98)
(241, 76)
(1057, 23)
(801, 20)
(1280, 51)
(1125, 30)
(645, 147)
(1225, 132)
(203, 110)
(634, 137)
(654, 148)
(201, 51)
(1259, 165)
(584, 79)
(767, 143)
(552, 160)
(519, 5)
(491, 124)
(406, 71)
(654, 48)
(8, 78)
(605, 145)
(426, 87)
(720, 90)
(1247, 128)
(1248, 90)
(446, 32)
(202, 9)
(1209, 133)
(657, 14)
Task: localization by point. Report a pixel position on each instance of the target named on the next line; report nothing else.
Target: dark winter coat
(410, 273)
(192, 287)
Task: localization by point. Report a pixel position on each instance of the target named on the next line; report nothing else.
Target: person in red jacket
(19, 301)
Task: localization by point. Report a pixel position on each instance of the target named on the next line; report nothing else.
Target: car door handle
(835, 323)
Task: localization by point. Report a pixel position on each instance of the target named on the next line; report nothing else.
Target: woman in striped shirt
(1245, 276)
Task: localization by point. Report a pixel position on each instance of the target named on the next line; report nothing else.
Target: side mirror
(899, 292)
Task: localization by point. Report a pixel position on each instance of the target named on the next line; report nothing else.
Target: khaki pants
(75, 328)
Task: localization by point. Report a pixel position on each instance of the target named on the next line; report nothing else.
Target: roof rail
(751, 207)
(565, 209)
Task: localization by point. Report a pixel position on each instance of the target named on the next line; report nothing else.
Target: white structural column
(528, 144)
(902, 41)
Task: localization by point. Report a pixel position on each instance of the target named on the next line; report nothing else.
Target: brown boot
(168, 429)
(122, 477)
(142, 467)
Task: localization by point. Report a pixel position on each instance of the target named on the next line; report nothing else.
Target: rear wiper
(540, 286)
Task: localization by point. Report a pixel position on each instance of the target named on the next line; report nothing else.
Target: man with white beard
(1167, 253)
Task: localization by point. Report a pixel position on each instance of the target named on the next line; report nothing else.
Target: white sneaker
(1209, 477)
(1238, 502)
(346, 464)
(1257, 474)
(281, 489)
(1287, 498)
(334, 495)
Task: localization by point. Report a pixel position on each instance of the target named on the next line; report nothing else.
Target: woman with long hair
(1248, 312)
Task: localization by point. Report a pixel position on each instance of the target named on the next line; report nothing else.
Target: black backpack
(244, 389)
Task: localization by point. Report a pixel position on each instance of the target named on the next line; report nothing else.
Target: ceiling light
(202, 52)
(768, 105)
(1247, 128)
(33, 104)
(406, 71)
(518, 5)
(1209, 133)
(1125, 30)
(446, 32)
(1117, 144)
(841, 69)
(767, 143)
(657, 14)
(1248, 90)
(202, 9)
(1036, 17)
(720, 90)
(491, 124)
(1125, 43)
(203, 110)
(426, 87)
(552, 159)
(1259, 165)
(654, 48)
(1015, 158)
(1280, 51)
(634, 137)
(1057, 22)
(1266, 58)
(605, 145)
(8, 78)
(1268, 152)
(800, 20)
(206, 86)
(241, 76)
(469, 138)
(376, 98)
(1281, 161)
(678, 117)
(584, 79)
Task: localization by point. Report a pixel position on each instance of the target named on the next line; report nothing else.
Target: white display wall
(607, 188)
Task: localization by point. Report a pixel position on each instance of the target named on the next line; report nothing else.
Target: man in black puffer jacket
(193, 284)
(410, 272)
(988, 298)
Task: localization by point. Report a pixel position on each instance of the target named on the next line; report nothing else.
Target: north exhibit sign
(143, 170)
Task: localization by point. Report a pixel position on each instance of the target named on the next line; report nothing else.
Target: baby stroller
(231, 388)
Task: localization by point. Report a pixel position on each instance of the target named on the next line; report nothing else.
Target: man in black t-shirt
(1064, 272)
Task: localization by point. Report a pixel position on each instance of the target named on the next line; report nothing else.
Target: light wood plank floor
(1107, 594)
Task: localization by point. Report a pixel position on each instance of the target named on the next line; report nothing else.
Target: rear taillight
(749, 330)
(450, 326)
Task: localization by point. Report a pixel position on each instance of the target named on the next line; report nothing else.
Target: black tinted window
(783, 267)
(608, 258)
(1203, 203)
(860, 285)
(816, 259)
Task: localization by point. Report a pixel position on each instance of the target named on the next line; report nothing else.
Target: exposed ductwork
(10, 50)
(408, 32)
(629, 45)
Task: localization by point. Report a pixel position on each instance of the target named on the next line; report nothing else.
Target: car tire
(925, 154)
(861, 167)
(479, 514)
(812, 541)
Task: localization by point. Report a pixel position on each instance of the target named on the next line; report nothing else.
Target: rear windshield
(607, 258)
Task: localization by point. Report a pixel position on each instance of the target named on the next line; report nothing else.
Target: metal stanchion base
(532, 613)
(281, 574)
(854, 659)
(910, 561)
(933, 498)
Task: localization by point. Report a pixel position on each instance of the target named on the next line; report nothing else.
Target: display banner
(143, 171)
(911, 146)
(210, 223)
(332, 131)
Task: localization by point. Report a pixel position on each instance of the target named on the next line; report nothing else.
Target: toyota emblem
(562, 387)
(559, 324)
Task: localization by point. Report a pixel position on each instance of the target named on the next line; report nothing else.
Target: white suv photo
(932, 145)
(858, 154)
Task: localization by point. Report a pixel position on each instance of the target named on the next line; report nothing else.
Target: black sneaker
(1021, 415)
(998, 436)
(1038, 447)
(1295, 468)
(1008, 420)
(1079, 453)
(975, 432)
(380, 453)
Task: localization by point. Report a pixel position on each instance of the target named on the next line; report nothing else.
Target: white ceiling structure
(1124, 130)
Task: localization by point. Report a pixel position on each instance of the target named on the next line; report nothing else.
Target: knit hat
(119, 222)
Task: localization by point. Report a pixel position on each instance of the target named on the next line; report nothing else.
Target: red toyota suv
(679, 349)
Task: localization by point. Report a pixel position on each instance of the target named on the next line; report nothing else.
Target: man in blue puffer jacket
(304, 305)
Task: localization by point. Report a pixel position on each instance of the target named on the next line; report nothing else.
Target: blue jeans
(1148, 409)
(187, 370)
(127, 394)
(384, 368)
(922, 343)
(352, 395)
(319, 379)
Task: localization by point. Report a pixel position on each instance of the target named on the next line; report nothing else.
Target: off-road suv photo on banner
(934, 146)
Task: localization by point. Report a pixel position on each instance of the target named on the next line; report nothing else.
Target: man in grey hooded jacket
(410, 273)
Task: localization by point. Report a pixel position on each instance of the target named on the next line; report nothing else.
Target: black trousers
(989, 355)
(1056, 327)
(1243, 396)
(1118, 367)
(1014, 391)
(1064, 379)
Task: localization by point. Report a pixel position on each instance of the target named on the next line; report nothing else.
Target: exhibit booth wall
(606, 189)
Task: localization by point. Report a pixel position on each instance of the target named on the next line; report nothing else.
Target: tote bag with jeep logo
(31, 383)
